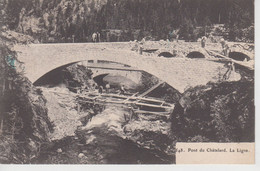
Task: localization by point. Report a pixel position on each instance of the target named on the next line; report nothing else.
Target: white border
(197, 167)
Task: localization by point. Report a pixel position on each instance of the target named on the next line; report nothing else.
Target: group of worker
(224, 45)
(102, 89)
(96, 37)
(225, 52)
(107, 87)
(139, 46)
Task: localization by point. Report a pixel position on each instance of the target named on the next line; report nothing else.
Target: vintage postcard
(127, 82)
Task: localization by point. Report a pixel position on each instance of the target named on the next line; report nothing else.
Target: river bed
(107, 138)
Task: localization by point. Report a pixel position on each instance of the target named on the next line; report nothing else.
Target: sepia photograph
(127, 82)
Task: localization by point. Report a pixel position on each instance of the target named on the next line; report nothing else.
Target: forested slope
(59, 20)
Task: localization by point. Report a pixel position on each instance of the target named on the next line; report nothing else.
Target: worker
(225, 47)
(231, 68)
(174, 35)
(122, 89)
(211, 38)
(141, 46)
(98, 36)
(136, 46)
(94, 37)
(94, 86)
(100, 90)
(84, 89)
(78, 91)
(107, 88)
(177, 38)
(203, 41)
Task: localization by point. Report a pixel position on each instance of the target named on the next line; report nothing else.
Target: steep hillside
(222, 112)
(24, 124)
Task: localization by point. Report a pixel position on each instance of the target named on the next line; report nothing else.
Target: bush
(221, 112)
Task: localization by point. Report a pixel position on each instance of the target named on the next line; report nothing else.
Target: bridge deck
(178, 72)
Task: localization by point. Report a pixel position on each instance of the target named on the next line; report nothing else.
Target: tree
(155, 16)
(240, 17)
(187, 30)
(206, 25)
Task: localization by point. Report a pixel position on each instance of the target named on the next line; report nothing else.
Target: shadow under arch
(54, 76)
(166, 55)
(195, 54)
(239, 56)
(99, 79)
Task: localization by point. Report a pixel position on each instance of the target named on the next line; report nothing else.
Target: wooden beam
(130, 97)
(151, 105)
(232, 60)
(128, 102)
(125, 97)
(151, 112)
(151, 89)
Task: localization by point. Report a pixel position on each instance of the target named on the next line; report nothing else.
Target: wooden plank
(115, 96)
(107, 95)
(151, 89)
(151, 112)
(130, 97)
(112, 101)
(162, 103)
(155, 106)
(71, 94)
(149, 99)
(87, 98)
(98, 99)
(127, 102)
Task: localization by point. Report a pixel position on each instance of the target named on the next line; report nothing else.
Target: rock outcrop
(24, 122)
(220, 112)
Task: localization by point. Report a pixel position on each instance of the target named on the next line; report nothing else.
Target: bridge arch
(166, 54)
(239, 56)
(195, 54)
(52, 76)
(56, 76)
(99, 78)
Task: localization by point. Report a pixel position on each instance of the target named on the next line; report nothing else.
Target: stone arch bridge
(178, 72)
